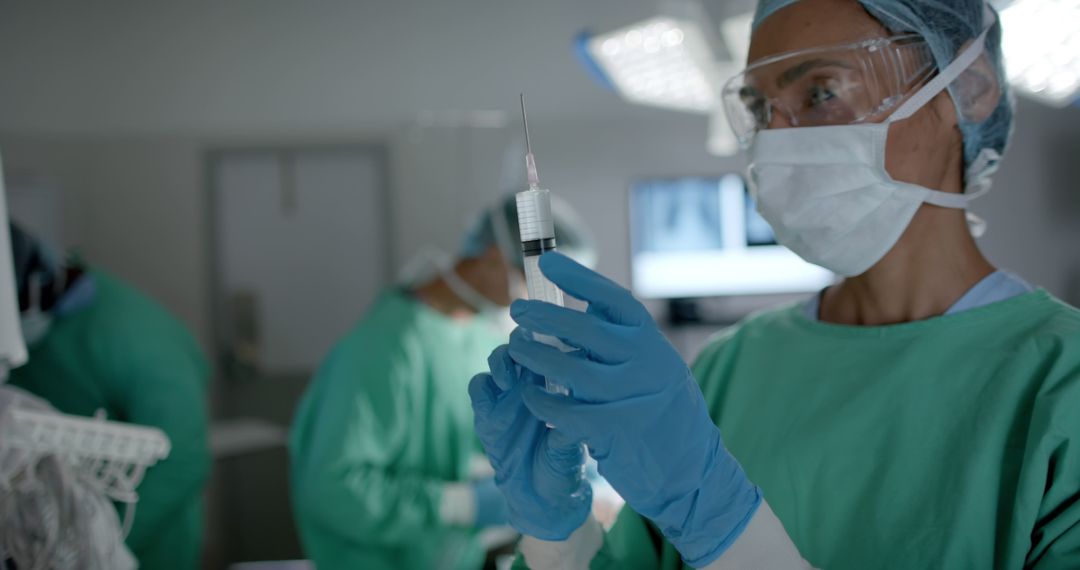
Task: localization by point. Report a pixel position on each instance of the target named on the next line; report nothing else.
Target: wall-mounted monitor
(703, 237)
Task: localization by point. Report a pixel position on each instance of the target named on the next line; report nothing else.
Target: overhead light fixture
(662, 61)
(670, 61)
(1041, 44)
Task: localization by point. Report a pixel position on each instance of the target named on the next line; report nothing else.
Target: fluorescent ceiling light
(668, 61)
(662, 62)
(1041, 43)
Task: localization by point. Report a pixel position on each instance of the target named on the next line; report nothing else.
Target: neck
(438, 295)
(935, 262)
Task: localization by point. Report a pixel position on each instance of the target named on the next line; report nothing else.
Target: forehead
(813, 23)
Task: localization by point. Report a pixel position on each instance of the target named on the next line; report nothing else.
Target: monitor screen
(703, 237)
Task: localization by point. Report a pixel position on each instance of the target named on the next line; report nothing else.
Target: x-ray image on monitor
(682, 215)
(702, 236)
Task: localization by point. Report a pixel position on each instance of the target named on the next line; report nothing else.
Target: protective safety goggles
(837, 85)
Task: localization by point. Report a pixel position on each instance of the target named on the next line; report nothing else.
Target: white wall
(259, 66)
(441, 177)
(131, 206)
(1034, 207)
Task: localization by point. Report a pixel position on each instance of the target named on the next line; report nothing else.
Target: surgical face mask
(418, 269)
(826, 194)
(496, 315)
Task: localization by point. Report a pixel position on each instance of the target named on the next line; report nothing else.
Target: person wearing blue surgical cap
(99, 345)
(381, 446)
(920, 413)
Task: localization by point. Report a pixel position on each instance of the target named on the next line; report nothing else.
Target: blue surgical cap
(571, 234)
(946, 26)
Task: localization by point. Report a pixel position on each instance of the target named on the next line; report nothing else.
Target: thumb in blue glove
(539, 471)
(636, 405)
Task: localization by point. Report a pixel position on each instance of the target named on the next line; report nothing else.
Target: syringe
(538, 236)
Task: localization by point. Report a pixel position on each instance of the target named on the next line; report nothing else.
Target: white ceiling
(223, 67)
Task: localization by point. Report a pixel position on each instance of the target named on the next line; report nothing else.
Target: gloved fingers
(598, 338)
(503, 368)
(554, 409)
(570, 369)
(565, 457)
(608, 298)
(501, 418)
(483, 392)
(561, 441)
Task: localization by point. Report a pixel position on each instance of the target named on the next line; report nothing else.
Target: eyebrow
(794, 73)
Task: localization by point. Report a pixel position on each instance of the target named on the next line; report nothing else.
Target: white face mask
(825, 191)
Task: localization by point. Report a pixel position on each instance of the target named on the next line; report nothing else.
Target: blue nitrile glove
(491, 509)
(540, 471)
(636, 405)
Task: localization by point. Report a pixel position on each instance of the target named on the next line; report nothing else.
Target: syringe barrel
(538, 236)
(540, 288)
(534, 215)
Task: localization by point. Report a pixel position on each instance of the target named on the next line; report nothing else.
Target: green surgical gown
(384, 425)
(126, 355)
(952, 442)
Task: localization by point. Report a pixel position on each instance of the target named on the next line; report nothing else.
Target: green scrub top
(126, 355)
(952, 442)
(384, 425)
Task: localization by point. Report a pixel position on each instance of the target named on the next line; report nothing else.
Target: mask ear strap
(463, 290)
(947, 75)
(952, 200)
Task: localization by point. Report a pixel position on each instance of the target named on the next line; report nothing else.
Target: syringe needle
(530, 162)
(525, 121)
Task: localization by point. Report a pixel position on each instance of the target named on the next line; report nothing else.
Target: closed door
(301, 251)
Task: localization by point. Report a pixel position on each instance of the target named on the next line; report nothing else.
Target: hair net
(946, 25)
(572, 236)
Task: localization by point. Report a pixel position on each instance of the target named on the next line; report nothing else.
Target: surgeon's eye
(825, 101)
(819, 95)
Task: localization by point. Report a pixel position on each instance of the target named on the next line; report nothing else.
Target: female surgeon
(921, 413)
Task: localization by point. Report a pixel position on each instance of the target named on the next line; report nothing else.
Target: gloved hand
(636, 405)
(491, 509)
(540, 471)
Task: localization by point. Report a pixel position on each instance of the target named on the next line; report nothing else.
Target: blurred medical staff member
(922, 413)
(96, 343)
(382, 441)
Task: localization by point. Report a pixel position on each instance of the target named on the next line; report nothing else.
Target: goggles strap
(947, 75)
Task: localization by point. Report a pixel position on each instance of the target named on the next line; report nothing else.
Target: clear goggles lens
(838, 85)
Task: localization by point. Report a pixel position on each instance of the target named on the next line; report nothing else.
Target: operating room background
(111, 114)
